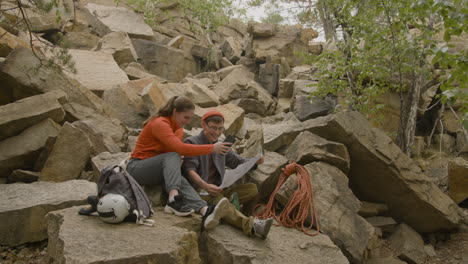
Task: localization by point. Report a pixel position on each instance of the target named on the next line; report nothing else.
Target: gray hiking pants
(165, 169)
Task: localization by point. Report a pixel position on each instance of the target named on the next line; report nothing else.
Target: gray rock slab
(23, 207)
(369, 209)
(96, 70)
(380, 171)
(308, 147)
(267, 174)
(105, 159)
(408, 245)
(458, 179)
(337, 209)
(127, 103)
(106, 19)
(106, 134)
(24, 113)
(69, 155)
(386, 224)
(23, 176)
(22, 76)
(86, 239)
(21, 151)
(167, 62)
(119, 45)
(228, 245)
(280, 134)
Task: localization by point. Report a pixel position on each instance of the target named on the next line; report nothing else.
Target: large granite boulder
(380, 171)
(69, 156)
(17, 116)
(96, 70)
(105, 159)
(228, 245)
(458, 179)
(106, 134)
(337, 209)
(9, 42)
(408, 245)
(22, 76)
(308, 147)
(281, 134)
(167, 62)
(127, 103)
(21, 152)
(87, 239)
(267, 174)
(119, 45)
(106, 19)
(23, 207)
(52, 16)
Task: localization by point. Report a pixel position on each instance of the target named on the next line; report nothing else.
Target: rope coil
(300, 205)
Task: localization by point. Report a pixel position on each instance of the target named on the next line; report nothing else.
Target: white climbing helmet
(113, 208)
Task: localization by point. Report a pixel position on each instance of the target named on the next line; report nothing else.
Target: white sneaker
(220, 211)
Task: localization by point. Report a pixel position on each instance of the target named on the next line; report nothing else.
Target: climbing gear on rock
(299, 207)
(113, 208)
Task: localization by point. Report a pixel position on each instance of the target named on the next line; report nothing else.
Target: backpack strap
(138, 193)
(104, 177)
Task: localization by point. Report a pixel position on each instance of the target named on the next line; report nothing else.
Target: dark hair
(215, 119)
(179, 103)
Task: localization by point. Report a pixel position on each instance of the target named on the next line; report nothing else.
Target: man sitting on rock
(206, 172)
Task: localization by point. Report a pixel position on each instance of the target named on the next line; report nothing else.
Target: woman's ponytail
(179, 103)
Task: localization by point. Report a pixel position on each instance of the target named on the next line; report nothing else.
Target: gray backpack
(115, 179)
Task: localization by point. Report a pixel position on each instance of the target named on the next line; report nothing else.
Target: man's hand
(213, 190)
(260, 160)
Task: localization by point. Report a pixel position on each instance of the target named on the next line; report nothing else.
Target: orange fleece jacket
(162, 135)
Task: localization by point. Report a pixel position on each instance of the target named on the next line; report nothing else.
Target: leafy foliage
(394, 45)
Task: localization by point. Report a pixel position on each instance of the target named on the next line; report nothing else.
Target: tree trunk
(327, 21)
(408, 115)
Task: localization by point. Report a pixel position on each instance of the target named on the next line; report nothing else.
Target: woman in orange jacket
(158, 153)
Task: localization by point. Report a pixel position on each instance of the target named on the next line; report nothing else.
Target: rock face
(73, 239)
(381, 171)
(23, 207)
(227, 245)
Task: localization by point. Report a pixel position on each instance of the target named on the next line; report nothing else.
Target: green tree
(392, 45)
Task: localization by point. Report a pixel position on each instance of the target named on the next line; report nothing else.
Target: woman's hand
(213, 190)
(222, 148)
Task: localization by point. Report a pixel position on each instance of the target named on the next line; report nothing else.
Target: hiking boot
(220, 211)
(176, 207)
(234, 199)
(92, 201)
(262, 227)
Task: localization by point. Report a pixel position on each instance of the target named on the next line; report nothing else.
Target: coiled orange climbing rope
(300, 205)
